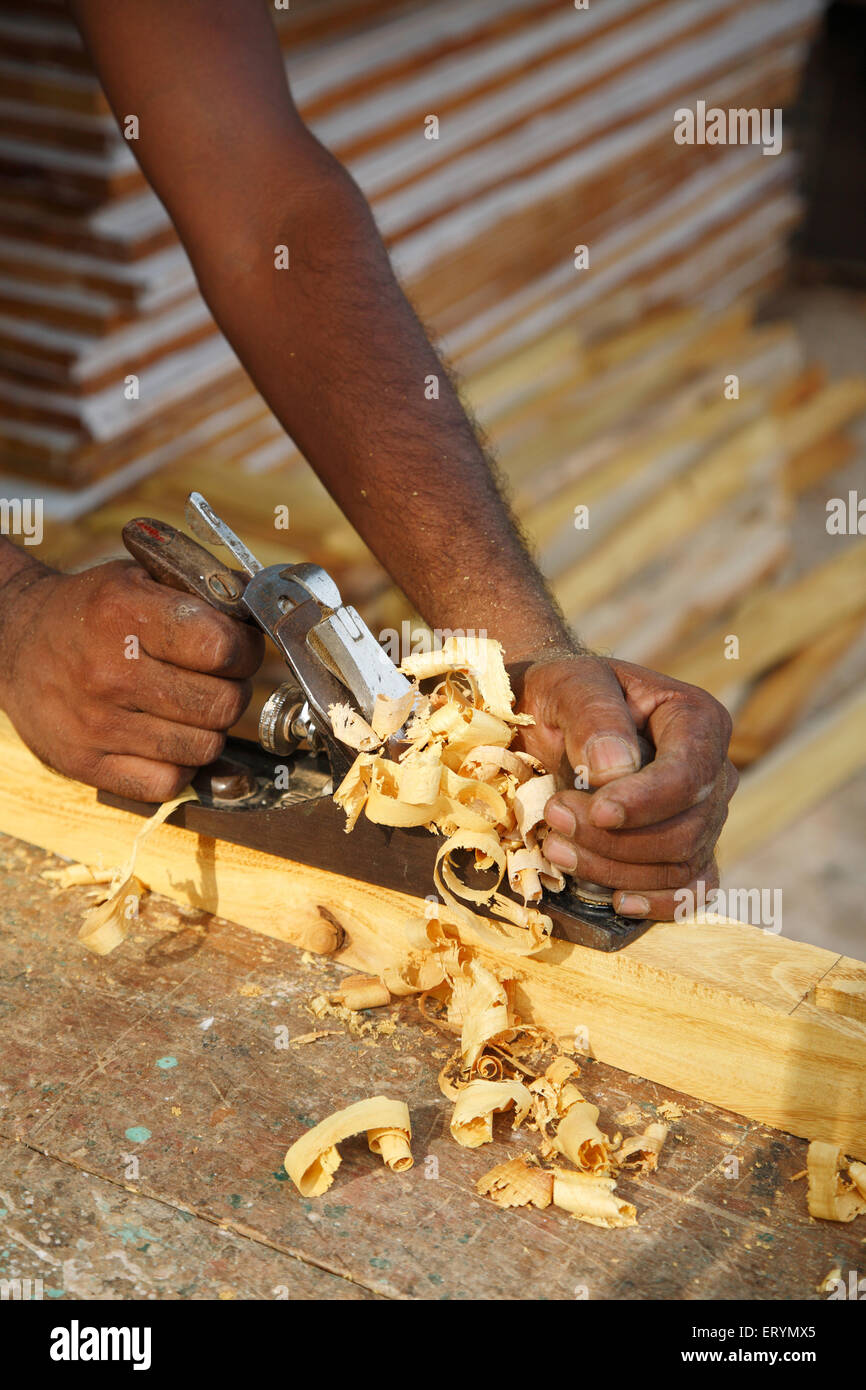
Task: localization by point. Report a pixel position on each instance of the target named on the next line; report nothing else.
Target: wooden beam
(724, 1012)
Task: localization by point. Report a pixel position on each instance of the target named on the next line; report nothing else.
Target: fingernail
(608, 815)
(609, 753)
(559, 817)
(560, 852)
(633, 905)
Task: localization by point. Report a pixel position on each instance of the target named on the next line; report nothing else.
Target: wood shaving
(350, 728)
(304, 1038)
(312, 1160)
(362, 992)
(459, 778)
(390, 715)
(579, 1139)
(641, 1152)
(472, 1120)
(517, 1183)
(105, 926)
(837, 1188)
(592, 1199)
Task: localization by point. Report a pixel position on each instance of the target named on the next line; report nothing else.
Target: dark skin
(337, 351)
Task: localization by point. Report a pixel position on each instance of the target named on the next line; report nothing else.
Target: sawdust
(321, 1007)
(630, 1116)
(670, 1110)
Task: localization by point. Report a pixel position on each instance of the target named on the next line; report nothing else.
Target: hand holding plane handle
(173, 559)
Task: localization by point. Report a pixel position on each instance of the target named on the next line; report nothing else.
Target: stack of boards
(659, 492)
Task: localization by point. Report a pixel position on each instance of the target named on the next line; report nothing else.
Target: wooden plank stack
(660, 507)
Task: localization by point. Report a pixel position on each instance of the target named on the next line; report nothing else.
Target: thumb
(600, 734)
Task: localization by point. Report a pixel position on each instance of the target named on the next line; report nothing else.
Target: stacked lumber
(661, 506)
(555, 128)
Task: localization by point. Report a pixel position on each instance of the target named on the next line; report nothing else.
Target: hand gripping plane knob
(286, 721)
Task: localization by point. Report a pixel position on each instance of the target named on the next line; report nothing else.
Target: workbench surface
(145, 1109)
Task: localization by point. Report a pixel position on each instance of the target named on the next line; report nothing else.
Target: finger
(139, 779)
(185, 631)
(689, 758)
(158, 740)
(665, 905)
(613, 873)
(684, 838)
(186, 697)
(588, 705)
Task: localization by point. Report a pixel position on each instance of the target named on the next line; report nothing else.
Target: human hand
(645, 832)
(115, 680)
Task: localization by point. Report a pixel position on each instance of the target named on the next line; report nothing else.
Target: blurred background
(606, 387)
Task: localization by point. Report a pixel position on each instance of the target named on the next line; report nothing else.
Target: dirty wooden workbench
(146, 1110)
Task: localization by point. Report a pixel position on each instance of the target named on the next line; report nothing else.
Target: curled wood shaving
(312, 1160)
(641, 1152)
(592, 1199)
(458, 777)
(481, 658)
(580, 1139)
(362, 992)
(352, 729)
(837, 1188)
(417, 975)
(105, 926)
(472, 1120)
(517, 1183)
(390, 715)
(479, 1004)
(553, 1093)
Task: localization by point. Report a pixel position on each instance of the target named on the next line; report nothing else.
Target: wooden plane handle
(173, 559)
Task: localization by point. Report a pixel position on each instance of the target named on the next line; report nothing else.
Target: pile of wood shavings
(460, 777)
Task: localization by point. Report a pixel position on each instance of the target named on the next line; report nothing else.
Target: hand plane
(276, 796)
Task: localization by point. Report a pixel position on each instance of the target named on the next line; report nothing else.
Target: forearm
(14, 559)
(331, 342)
(339, 354)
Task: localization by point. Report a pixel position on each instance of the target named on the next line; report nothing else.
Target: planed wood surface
(713, 1010)
(210, 1214)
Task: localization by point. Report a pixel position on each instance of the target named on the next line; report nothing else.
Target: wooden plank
(708, 1009)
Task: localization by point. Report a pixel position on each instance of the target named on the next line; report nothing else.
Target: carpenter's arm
(332, 343)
